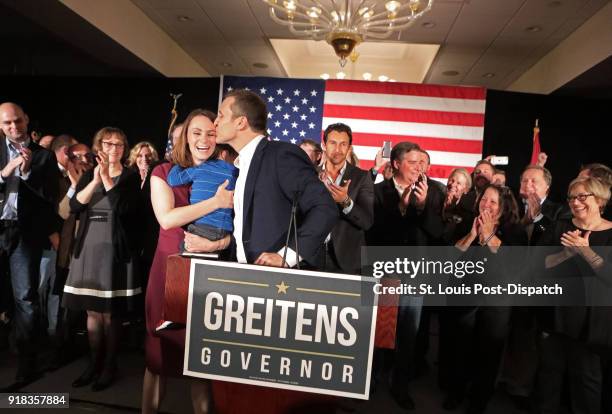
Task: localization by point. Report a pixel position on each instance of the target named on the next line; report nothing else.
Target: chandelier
(346, 23)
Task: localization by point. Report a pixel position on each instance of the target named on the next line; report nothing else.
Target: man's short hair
(338, 127)
(545, 172)
(63, 140)
(600, 171)
(313, 144)
(422, 151)
(401, 148)
(251, 106)
(487, 162)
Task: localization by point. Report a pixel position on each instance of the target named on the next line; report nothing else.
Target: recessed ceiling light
(488, 75)
(340, 75)
(260, 65)
(392, 80)
(183, 19)
(367, 75)
(429, 25)
(450, 73)
(226, 64)
(533, 29)
(383, 78)
(325, 76)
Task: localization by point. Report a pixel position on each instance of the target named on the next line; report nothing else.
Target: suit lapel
(3, 154)
(249, 189)
(349, 174)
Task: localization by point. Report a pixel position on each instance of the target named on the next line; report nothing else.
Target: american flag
(447, 121)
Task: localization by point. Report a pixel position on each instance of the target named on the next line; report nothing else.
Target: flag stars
(263, 91)
(285, 132)
(229, 89)
(313, 93)
(296, 92)
(294, 125)
(304, 101)
(269, 131)
(279, 91)
(302, 133)
(278, 107)
(293, 140)
(311, 125)
(287, 100)
(270, 99)
(276, 139)
(286, 116)
(303, 117)
(295, 109)
(270, 114)
(277, 124)
(312, 109)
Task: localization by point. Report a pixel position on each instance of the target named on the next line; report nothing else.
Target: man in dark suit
(28, 191)
(538, 211)
(273, 176)
(353, 191)
(407, 212)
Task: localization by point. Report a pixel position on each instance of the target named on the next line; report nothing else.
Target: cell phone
(499, 160)
(386, 149)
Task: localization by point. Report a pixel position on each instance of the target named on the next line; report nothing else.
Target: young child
(205, 179)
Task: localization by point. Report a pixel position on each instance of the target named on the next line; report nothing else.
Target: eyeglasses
(109, 144)
(580, 197)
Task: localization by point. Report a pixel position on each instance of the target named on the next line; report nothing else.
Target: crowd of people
(88, 231)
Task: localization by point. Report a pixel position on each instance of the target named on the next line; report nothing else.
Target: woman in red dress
(164, 349)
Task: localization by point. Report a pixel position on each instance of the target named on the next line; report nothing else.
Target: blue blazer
(279, 172)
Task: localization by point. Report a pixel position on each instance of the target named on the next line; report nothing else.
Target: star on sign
(286, 116)
(293, 140)
(296, 92)
(294, 125)
(303, 117)
(270, 98)
(313, 93)
(295, 109)
(304, 101)
(277, 124)
(282, 288)
(285, 132)
(263, 91)
(287, 100)
(279, 91)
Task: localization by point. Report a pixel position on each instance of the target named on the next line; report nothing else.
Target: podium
(234, 398)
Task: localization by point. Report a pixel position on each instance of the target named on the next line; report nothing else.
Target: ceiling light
(183, 19)
(346, 24)
(429, 25)
(450, 73)
(488, 75)
(324, 76)
(392, 80)
(367, 75)
(260, 65)
(340, 75)
(533, 29)
(383, 78)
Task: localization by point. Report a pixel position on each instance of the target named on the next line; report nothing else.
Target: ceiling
(482, 42)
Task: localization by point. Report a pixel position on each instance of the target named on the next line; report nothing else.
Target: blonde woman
(142, 157)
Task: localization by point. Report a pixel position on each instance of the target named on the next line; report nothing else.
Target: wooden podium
(234, 398)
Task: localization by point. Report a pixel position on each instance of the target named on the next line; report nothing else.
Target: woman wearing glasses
(103, 277)
(573, 337)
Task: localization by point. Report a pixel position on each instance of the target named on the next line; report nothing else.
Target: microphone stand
(292, 226)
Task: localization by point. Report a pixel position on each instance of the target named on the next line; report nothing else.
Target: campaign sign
(283, 328)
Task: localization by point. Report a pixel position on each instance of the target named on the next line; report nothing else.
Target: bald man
(28, 193)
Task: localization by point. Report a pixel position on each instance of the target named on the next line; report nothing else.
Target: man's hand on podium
(270, 259)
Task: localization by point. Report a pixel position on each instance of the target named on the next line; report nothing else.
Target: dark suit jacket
(348, 234)
(38, 195)
(278, 172)
(550, 211)
(414, 228)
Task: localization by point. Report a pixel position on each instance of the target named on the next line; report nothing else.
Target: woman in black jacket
(103, 278)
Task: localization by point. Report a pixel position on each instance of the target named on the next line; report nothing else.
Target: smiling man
(273, 175)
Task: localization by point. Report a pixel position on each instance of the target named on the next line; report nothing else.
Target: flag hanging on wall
(535, 150)
(447, 121)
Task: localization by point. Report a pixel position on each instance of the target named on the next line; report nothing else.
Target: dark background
(574, 131)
